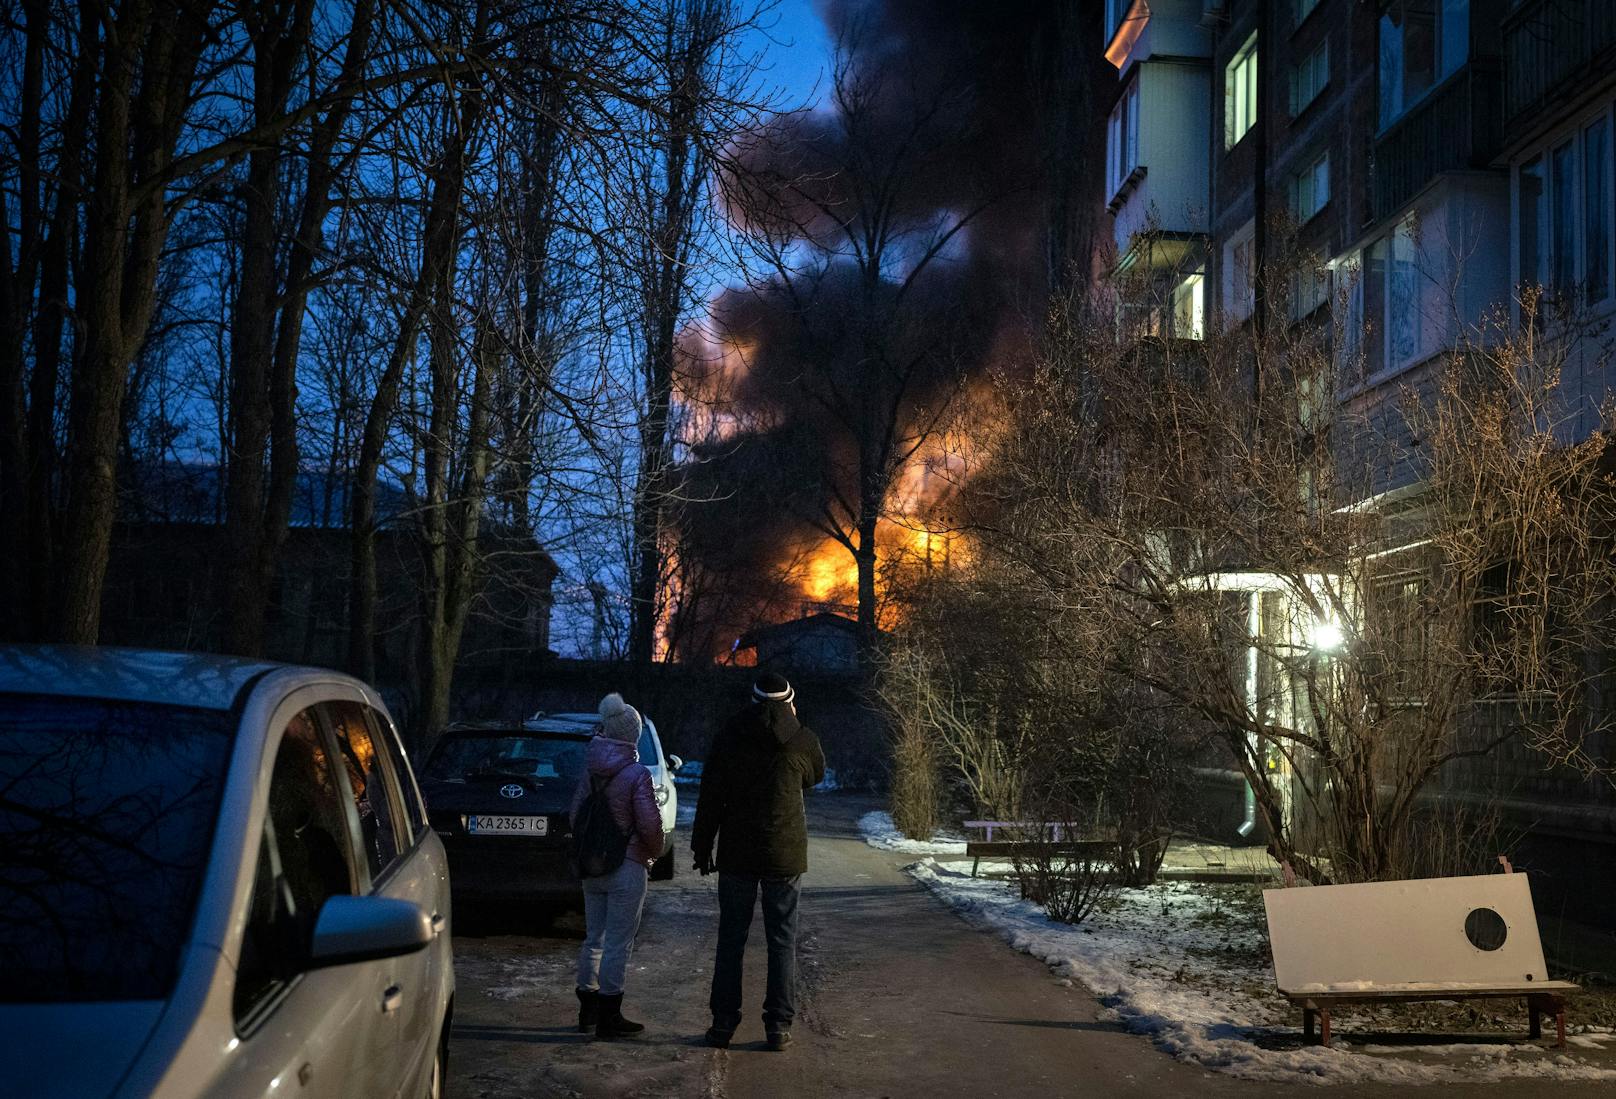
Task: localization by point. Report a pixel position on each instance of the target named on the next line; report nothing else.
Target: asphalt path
(900, 998)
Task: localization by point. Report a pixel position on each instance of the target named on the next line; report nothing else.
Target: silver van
(216, 878)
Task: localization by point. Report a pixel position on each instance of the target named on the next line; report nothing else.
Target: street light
(1326, 636)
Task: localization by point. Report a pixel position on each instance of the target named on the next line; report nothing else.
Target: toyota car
(499, 794)
(216, 879)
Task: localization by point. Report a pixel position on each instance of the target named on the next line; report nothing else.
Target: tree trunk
(124, 241)
(440, 237)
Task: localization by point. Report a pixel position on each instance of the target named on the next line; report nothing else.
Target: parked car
(216, 879)
(499, 793)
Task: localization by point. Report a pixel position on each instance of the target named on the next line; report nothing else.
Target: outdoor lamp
(1325, 636)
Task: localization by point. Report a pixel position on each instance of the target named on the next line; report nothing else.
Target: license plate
(485, 824)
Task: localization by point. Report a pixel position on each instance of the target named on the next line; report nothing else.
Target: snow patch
(1141, 955)
(881, 833)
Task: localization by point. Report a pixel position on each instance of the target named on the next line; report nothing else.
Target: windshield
(531, 758)
(106, 815)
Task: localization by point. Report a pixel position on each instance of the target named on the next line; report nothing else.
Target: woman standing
(613, 900)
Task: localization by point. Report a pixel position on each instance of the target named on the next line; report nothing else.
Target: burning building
(916, 223)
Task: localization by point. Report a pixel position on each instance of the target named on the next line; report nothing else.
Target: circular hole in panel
(1485, 929)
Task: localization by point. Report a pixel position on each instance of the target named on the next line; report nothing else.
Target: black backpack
(598, 844)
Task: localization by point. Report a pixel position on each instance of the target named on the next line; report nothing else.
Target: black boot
(718, 1037)
(779, 1040)
(612, 1024)
(588, 1009)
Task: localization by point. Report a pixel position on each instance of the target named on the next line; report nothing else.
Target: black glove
(704, 863)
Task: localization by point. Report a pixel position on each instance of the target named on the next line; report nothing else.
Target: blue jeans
(737, 896)
(612, 905)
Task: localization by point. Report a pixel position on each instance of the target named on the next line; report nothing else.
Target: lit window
(1309, 77)
(1189, 308)
(1310, 189)
(1421, 43)
(1122, 140)
(1240, 93)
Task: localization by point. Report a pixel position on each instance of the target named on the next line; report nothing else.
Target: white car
(216, 879)
(663, 768)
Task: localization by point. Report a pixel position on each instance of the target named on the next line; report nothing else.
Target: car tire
(437, 1082)
(662, 869)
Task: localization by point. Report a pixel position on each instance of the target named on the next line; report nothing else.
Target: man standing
(751, 801)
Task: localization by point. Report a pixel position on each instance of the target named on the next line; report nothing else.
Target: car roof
(548, 725)
(200, 680)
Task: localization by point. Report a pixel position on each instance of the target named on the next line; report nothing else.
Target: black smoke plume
(980, 111)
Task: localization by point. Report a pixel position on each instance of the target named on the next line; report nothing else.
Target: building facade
(1413, 170)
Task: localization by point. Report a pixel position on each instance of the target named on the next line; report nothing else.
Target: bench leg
(1307, 1026)
(1324, 1027)
(974, 864)
(1559, 1027)
(1534, 1029)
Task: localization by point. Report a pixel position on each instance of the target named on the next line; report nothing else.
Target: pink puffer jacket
(628, 794)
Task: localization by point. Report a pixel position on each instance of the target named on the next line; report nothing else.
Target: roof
(194, 492)
(582, 725)
(200, 680)
(797, 626)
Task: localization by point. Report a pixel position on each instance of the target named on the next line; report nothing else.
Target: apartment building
(1414, 163)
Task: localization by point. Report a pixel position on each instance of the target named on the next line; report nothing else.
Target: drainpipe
(1253, 626)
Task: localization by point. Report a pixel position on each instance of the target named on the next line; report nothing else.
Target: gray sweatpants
(612, 904)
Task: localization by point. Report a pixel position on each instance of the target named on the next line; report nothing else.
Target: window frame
(1237, 310)
(1240, 75)
(1317, 58)
(1122, 139)
(403, 841)
(1441, 71)
(290, 709)
(1315, 171)
(1543, 154)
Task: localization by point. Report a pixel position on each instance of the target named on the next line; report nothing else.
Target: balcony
(1552, 50)
(1454, 128)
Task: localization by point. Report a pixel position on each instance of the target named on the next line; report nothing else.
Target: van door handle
(392, 999)
(437, 924)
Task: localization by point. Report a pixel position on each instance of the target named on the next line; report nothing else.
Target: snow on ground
(1147, 954)
(880, 832)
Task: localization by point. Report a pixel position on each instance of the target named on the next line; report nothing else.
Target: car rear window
(106, 815)
(533, 758)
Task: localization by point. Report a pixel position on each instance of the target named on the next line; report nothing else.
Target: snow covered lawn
(1188, 964)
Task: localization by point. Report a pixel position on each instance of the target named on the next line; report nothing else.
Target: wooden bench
(1469, 938)
(1054, 844)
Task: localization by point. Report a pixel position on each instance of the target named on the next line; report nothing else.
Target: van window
(383, 830)
(304, 858)
(108, 815)
(414, 806)
(648, 752)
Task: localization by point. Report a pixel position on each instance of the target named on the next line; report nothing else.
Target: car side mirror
(674, 763)
(362, 929)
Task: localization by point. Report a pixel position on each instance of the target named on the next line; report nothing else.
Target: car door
(399, 1046)
(424, 877)
(299, 1032)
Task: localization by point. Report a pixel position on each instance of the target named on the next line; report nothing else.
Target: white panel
(1402, 933)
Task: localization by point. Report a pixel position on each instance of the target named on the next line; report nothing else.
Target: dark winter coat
(751, 793)
(628, 795)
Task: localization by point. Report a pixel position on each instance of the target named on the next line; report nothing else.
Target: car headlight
(662, 795)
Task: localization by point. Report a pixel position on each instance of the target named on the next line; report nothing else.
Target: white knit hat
(618, 719)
